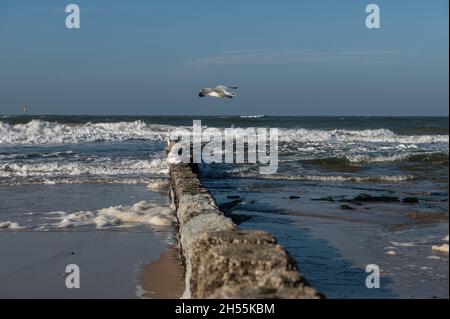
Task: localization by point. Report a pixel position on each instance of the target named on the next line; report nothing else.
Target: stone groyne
(222, 261)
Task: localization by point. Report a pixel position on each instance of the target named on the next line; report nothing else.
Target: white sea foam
(334, 178)
(43, 132)
(374, 136)
(74, 180)
(19, 156)
(405, 244)
(8, 225)
(434, 257)
(158, 184)
(140, 292)
(377, 159)
(402, 156)
(101, 167)
(252, 116)
(441, 249)
(141, 213)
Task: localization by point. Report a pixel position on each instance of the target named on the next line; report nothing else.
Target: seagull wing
(225, 89)
(221, 88)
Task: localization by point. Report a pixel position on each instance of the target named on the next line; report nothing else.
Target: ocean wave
(347, 136)
(333, 178)
(425, 157)
(376, 159)
(43, 132)
(251, 116)
(103, 167)
(57, 180)
(431, 157)
(9, 225)
(21, 156)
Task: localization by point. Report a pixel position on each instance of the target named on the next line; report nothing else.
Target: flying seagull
(218, 91)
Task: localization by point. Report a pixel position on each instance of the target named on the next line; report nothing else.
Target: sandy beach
(349, 192)
(111, 263)
(115, 260)
(164, 277)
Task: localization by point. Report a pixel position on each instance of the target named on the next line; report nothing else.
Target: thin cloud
(269, 57)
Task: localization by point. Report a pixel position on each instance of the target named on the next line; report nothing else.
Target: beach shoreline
(112, 259)
(348, 192)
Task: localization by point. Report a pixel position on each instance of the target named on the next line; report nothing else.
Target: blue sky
(310, 57)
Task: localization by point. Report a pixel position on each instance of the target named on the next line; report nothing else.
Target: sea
(349, 192)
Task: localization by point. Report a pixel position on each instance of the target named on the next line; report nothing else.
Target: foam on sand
(158, 184)
(141, 213)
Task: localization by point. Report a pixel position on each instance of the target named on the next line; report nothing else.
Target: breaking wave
(377, 159)
(416, 157)
(102, 167)
(251, 116)
(44, 132)
(74, 180)
(349, 159)
(9, 225)
(22, 156)
(370, 136)
(334, 178)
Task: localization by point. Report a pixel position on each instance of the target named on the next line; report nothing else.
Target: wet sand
(32, 264)
(111, 260)
(164, 278)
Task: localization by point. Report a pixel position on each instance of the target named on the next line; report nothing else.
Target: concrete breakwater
(222, 261)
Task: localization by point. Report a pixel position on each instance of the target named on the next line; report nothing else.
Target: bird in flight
(219, 91)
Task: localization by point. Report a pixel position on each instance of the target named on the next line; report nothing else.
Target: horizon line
(219, 115)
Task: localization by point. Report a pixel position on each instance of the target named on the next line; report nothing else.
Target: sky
(151, 57)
